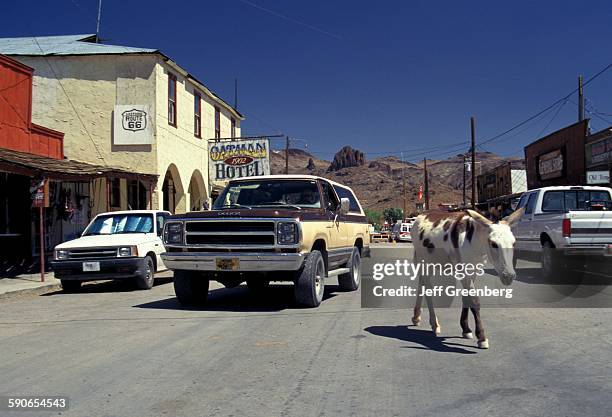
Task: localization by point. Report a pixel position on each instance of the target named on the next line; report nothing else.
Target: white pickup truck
(115, 245)
(564, 225)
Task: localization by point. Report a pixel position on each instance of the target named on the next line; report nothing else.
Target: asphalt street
(118, 352)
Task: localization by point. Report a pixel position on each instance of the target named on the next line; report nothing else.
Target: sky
(393, 77)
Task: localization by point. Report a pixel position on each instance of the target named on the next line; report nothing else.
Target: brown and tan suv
(296, 228)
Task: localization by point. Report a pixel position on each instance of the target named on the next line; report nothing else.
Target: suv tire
(190, 287)
(350, 281)
(146, 280)
(310, 281)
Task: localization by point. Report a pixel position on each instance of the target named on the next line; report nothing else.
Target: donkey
(463, 237)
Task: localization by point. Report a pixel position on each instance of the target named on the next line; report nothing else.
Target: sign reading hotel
(132, 125)
(238, 158)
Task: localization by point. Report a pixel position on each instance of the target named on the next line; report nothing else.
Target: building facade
(502, 181)
(559, 158)
(90, 91)
(598, 153)
(31, 160)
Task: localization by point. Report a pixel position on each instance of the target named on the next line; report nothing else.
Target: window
(346, 193)
(115, 192)
(531, 203)
(574, 200)
(161, 219)
(233, 127)
(136, 195)
(217, 123)
(172, 99)
(270, 193)
(523, 201)
(197, 114)
(112, 224)
(331, 200)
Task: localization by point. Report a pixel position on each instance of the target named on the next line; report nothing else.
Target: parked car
(297, 228)
(115, 245)
(564, 225)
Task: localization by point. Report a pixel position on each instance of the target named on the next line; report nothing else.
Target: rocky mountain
(378, 183)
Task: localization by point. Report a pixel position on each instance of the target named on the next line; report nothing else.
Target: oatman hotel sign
(238, 158)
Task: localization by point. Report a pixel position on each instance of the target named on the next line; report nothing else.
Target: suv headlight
(287, 233)
(173, 233)
(61, 254)
(125, 251)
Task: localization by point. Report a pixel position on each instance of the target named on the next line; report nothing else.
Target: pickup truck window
(531, 203)
(575, 200)
(112, 224)
(269, 193)
(346, 193)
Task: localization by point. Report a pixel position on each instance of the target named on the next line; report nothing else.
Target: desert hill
(378, 183)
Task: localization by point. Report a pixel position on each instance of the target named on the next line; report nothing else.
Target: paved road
(116, 352)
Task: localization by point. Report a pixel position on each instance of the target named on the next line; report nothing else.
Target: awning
(31, 165)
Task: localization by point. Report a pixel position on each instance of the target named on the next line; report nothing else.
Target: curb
(31, 291)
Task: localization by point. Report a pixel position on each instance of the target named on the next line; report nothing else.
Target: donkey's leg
(433, 319)
(465, 310)
(483, 342)
(416, 318)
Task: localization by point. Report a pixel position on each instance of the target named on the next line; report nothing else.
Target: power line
(566, 97)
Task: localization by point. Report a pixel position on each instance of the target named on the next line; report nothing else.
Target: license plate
(91, 266)
(228, 264)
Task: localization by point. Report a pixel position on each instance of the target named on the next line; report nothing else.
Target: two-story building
(133, 108)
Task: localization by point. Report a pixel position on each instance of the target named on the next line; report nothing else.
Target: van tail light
(566, 228)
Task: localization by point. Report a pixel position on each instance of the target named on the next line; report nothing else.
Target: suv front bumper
(233, 261)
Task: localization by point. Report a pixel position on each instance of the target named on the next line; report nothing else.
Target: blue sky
(379, 76)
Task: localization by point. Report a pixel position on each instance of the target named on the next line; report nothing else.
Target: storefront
(73, 193)
(598, 153)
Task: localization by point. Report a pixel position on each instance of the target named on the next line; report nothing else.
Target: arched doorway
(197, 191)
(172, 190)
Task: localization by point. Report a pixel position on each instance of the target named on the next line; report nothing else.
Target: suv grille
(230, 234)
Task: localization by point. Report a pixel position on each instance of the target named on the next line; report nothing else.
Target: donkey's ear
(514, 217)
(479, 218)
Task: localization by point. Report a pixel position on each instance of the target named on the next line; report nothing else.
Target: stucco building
(132, 108)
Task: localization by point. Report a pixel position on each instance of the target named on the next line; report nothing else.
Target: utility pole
(404, 191)
(426, 184)
(464, 178)
(98, 21)
(473, 125)
(580, 100)
(236, 93)
(286, 155)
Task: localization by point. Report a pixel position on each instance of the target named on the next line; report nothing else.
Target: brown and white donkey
(462, 237)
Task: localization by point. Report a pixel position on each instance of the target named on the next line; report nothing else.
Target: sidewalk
(28, 284)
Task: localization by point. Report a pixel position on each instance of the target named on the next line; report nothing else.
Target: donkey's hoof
(416, 321)
(436, 331)
(468, 335)
(483, 344)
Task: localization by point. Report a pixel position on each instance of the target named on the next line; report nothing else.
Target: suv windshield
(270, 193)
(112, 224)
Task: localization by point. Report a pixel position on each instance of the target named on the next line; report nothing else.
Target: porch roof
(23, 163)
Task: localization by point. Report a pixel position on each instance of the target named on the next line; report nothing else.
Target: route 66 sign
(134, 120)
(132, 125)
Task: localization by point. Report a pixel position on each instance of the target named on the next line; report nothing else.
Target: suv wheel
(69, 285)
(146, 280)
(190, 287)
(350, 280)
(310, 282)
